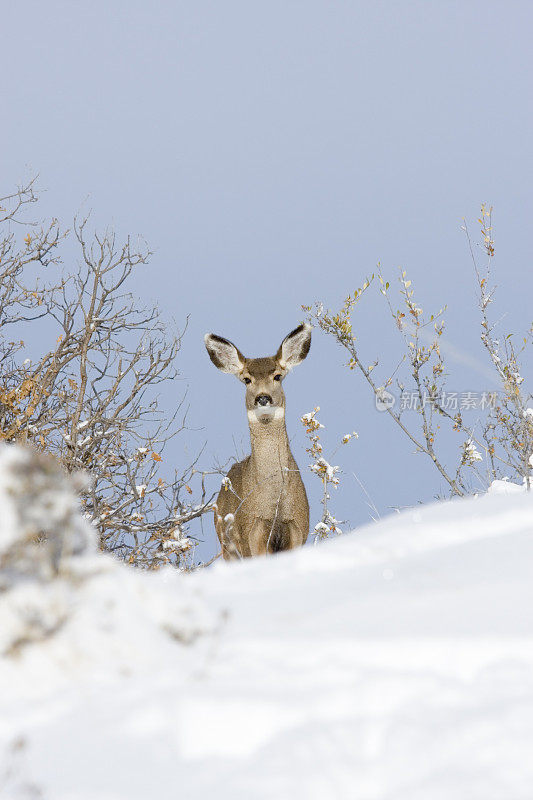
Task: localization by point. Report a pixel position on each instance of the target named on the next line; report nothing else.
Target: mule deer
(262, 506)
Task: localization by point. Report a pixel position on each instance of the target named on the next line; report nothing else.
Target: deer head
(263, 377)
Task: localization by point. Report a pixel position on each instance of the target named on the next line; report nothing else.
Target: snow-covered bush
(325, 472)
(52, 576)
(500, 444)
(41, 528)
(42, 535)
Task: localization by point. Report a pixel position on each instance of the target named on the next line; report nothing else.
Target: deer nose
(263, 400)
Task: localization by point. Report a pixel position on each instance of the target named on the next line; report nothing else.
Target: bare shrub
(500, 444)
(91, 397)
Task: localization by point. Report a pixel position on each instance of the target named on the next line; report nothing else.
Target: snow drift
(394, 662)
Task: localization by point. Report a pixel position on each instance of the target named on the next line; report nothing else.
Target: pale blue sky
(272, 154)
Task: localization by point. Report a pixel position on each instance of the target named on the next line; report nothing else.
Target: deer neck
(270, 448)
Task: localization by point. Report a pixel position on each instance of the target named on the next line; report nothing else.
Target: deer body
(262, 508)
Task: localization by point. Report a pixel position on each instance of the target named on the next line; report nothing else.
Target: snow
(347, 436)
(309, 419)
(322, 467)
(471, 452)
(395, 662)
(505, 487)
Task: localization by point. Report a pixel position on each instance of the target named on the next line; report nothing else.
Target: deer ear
(294, 347)
(224, 354)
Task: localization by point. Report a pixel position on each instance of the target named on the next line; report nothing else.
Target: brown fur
(266, 497)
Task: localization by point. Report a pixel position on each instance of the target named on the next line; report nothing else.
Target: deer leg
(295, 535)
(258, 537)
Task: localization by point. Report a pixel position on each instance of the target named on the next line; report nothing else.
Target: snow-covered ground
(394, 662)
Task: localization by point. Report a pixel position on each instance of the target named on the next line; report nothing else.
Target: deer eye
(247, 380)
(277, 377)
